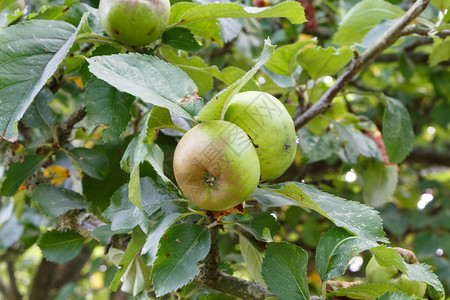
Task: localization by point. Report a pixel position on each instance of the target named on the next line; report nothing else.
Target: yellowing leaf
(77, 80)
(57, 174)
(95, 136)
(304, 37)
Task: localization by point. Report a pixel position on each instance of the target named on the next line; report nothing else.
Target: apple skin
(216, 165)
(134, 22)
(271, 128)
(376, 273)
(261, 3)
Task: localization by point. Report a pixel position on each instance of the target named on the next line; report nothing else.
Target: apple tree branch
(359, 62)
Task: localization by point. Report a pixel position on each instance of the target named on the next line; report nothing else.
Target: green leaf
(130, 73)
(421, 272)
(357, 218)
(440, 78)
(206, 28)
(406, 66)
(136, 278)
(362, 18)
(19, 172)
(66, 291)
(150, 248)
(104, 233)
(127, 264)
(320, 61)
(375, 33)
(5, 3)
(271, 199)
(284, 271)
(379, 182)
(350, 151)
(364, 291)
(77, 11)
(317, 148)
(441, 52)
(291, 10)
(155, 195)
(30, 52)
(397, 131)
(395, 296)
(122, 213)
(10, 232)
(181, 249)
(194, 66)
(141, 149)
(335, 250)
(441, 4)
(107, 106)
(92, 162)
(160, 118)
(60, 247)
(284, 60)
(215, 108)
(253, 259)
(99, 198)
(417, 272)
(257, 223)
(39, 114)
(366, 145)
(54, 201)
(202, 74)
(180, 38)
(387, 256)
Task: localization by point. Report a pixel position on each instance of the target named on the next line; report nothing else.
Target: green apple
(216, 165)
(271, 128)
(378, 274)
(134, 22)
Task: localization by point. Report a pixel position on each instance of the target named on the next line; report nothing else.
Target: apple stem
(90, 37)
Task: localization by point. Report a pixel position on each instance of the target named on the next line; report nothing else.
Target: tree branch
(4, 290)
(234, 286)
(418, 58)
(43, 279)
(415, 29)
(429, 156)
(211, 277)
(71, 270)
(382, 43)
(12, 281)
(65, 129)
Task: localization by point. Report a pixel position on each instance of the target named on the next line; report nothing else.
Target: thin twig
(415, 29)
(65, 129)
(382, 43)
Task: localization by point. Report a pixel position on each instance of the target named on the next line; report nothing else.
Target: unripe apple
(376, 273)
(216, 165)
(267, 122)
(134, 22)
